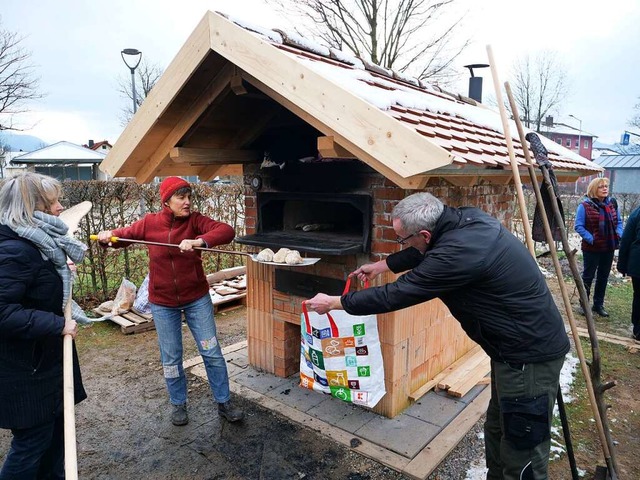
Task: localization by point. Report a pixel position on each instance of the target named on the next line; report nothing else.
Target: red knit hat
(171, 185)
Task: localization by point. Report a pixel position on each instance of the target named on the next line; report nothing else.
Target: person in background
(177, 285)
(494, 288)
(35, 283)
(599, 223)
(629, 264)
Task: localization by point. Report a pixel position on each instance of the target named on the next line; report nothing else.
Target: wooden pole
(70, 450)
(600, 424)
(512, 156)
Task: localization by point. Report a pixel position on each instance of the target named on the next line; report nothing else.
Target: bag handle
(332, 323)
(347, 285)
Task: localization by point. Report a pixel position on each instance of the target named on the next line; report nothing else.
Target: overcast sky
(76, 47)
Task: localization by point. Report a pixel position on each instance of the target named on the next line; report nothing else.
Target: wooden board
(131, 322)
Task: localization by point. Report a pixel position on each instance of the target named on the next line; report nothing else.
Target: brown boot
(227, 411)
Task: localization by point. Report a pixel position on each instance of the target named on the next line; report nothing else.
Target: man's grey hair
(25, 193)
(419, 211)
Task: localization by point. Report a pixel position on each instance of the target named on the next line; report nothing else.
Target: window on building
(568, 142)
(559, 140)
(577, 143)
(585, 144)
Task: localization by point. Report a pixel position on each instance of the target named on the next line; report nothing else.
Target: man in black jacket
(494, 288)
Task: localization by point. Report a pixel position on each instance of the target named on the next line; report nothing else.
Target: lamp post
(132, 52)
(579, 133)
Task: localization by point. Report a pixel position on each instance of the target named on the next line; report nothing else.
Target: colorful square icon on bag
(360, 398)
(332, 347)
(354, 384)
(364, 371)
(321, 333)
(321, 380)
(350, 361)
(306, 382)
(316, 358)
(337, 378)
(358, 330)
(341, 393)
(362, 351)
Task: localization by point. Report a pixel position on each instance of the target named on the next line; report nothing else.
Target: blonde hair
(592, 189)
(25, 193)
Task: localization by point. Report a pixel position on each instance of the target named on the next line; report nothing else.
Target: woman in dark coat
(34, 285)
(629, 264)
(599, 223)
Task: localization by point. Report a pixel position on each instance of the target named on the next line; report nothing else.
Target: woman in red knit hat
(177, 285)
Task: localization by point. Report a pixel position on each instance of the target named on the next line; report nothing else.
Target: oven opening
(330, 224)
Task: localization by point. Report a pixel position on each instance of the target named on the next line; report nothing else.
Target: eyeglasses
(403, 240)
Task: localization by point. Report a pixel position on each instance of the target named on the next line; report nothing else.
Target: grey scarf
(50, 236)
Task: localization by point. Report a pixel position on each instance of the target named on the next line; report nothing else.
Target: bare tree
(4, 154)
(417, 37)
(147, 74)
(539, 86)
(635, 120)
(18, 83)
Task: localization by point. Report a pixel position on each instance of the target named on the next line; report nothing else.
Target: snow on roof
(61, 152)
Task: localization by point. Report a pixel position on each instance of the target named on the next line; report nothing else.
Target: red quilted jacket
(175, 278)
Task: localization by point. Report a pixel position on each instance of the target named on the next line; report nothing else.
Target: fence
(120, 203)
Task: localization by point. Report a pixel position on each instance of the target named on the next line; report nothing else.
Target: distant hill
(18, 142)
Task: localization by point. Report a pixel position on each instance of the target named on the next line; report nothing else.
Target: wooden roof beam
(213, 91)
(219, 156)
(328, 148)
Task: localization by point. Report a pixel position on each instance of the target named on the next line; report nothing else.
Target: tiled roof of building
(468, 130)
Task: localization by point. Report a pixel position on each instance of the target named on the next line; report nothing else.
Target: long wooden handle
(512, 156)
(70, 450)
(146, 242)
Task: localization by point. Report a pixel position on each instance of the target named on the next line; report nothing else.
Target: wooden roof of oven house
(231, 82)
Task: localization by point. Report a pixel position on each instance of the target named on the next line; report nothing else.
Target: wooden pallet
(131, 322)
(230, 302)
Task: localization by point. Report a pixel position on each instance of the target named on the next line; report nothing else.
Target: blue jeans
(600, 261)
(36, 452)
(199, 316)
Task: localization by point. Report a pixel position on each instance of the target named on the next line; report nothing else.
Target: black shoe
(581, 311)
(179, 415)
(636, 336)
(600, 311)
(227, 411)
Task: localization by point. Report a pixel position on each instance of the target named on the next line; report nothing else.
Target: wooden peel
(160, 244)
(71, 217)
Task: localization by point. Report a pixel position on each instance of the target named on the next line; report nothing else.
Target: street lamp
(579, 132)
(132, 52)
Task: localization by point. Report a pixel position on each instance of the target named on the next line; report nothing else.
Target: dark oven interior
(321, 223)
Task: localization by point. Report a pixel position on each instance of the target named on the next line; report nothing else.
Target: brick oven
(247, 101)
(418, 342)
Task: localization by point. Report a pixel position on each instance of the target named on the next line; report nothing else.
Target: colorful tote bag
(340, 355)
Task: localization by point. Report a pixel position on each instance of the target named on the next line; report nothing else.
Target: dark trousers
(635, 307)
(517, 429)
(598, 265)
(36, 452)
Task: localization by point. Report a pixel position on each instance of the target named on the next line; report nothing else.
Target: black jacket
(31, 323)
(487, 279)
(629, 255)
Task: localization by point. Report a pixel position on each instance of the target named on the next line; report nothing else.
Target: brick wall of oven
(417, 343)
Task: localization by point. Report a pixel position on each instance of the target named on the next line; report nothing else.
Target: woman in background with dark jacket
(629, 264)
(34, 286)
(599, 223)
